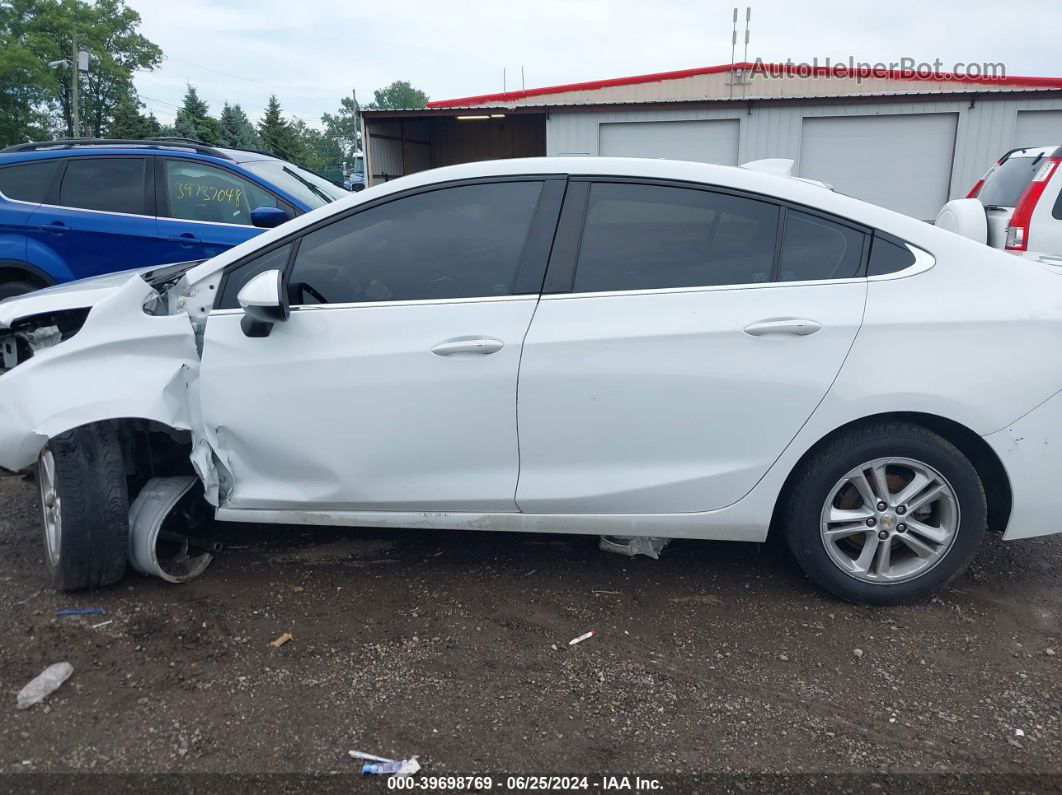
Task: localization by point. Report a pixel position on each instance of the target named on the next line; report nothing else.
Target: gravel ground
(454, 647)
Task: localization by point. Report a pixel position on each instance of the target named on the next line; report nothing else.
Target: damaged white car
(604, 346)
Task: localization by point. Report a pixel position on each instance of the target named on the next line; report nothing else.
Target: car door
(23, 186)
(104, 221)
(205, 209)
(392, 385)
(682, 347)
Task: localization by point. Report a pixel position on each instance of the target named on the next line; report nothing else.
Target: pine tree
(129, 122)
(194, 120)
(278, 136)
(237, 131)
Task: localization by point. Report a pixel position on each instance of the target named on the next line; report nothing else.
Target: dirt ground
(454, 647)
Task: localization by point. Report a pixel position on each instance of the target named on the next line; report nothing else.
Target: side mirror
(965, 217)
(264, 300)
(268, 217)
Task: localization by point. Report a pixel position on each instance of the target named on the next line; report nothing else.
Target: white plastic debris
(46, 683)
(581, 638)
(1019, 733)
(634, 545)
(381, 766)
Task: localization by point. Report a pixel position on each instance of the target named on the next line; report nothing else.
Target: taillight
(1018, 231)
(976, 189)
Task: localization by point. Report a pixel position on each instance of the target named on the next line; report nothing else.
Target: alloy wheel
(889, 520)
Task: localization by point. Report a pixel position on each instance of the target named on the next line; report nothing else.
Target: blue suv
(83, 207)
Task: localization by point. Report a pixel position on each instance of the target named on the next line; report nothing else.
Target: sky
(311, 53)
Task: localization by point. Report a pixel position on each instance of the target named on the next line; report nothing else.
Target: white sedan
(602, 346)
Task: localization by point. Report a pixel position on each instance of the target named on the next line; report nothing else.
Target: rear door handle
(55, 227)
(473, 345)
(185, 239)
(799, 326)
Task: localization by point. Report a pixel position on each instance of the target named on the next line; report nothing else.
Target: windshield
(307, 187)
(1005, 184)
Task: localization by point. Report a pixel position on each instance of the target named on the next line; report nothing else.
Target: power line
(217, 71)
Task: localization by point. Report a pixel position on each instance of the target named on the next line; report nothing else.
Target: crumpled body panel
(123, 363)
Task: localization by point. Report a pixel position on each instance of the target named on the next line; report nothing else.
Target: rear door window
(113, 184)
(199, 192)
(28, 182)
(645, 237)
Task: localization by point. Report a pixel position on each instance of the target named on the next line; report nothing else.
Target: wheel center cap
(888, 519)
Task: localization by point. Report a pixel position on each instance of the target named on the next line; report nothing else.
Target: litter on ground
(44, 684)
(381, 766)
(634, 545)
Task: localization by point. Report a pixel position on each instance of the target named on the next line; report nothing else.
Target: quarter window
(114, 185)
(639, 237)
(461, 242)
(199, 192)
(28, 182)
(814, 249)
(888, 257)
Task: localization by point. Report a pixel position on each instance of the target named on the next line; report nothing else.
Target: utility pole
(75, 68)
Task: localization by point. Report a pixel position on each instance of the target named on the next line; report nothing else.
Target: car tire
(85, 508)
(863, 546)
(17, 287)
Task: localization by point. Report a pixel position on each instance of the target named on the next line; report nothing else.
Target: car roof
(770, 185)
(89, 147)
(1033, 151)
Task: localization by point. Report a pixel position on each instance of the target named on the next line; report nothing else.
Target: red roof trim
(838, 71)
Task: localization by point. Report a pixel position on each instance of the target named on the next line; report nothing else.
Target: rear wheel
(84, 508)
(884, 514)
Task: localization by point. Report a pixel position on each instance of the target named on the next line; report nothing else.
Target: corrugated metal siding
(723, 86)
(986, 128)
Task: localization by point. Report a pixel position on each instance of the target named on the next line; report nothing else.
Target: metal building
(905, 141)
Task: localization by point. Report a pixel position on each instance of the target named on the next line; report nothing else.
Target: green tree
(28, 88)
(318, 151)
(342, 127)
(237, 131)
(194, 120)
(400, 95)
(35, 99)
(111, 36)
(128, 122)
(277, 134)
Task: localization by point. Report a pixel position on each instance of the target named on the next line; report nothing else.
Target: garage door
(703, 141)
(1038, 128)
(900, 162)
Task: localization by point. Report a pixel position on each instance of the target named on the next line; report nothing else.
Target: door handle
(55, 227)
(186, 239)
(474, 345)
(799, 326)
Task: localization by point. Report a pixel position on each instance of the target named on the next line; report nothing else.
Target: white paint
(344, 415)
(348, 407)
(660, 402)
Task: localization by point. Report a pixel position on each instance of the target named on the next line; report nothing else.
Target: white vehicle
(572, 345)
(1016, 206)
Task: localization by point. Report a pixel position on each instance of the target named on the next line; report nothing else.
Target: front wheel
(84, 508)
(884, 514)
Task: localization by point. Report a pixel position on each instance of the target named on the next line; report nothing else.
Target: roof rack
(148, 143)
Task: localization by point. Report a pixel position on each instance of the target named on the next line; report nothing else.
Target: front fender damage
(123, 363)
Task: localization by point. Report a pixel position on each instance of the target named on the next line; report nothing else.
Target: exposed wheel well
(14, 272)
(985, 461)
(152, 449)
